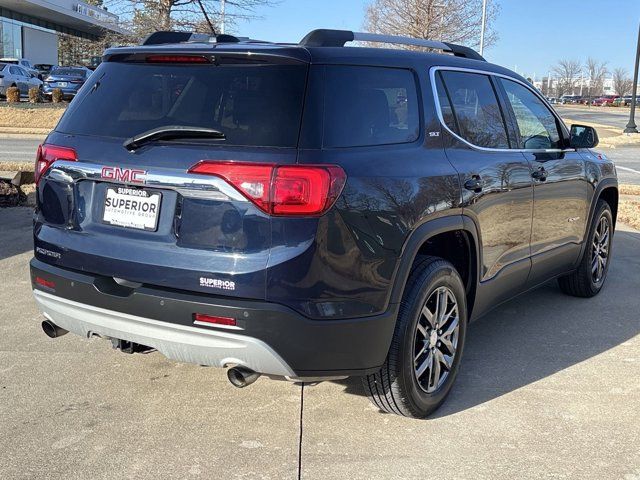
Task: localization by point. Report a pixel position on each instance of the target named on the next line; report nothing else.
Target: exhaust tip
(51, 330)
(241, 376)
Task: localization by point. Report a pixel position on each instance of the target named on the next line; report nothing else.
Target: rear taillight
(296, 190)
(47, 154)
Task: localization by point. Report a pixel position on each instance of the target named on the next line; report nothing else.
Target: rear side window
(367, 106)
(253, 105)
(537, 125)
(477, 116)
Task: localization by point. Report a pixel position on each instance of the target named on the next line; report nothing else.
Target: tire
(585, 282)
(397, 387)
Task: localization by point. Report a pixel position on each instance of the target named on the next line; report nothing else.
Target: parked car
(23, 63)
(570, 99)
(552, 100)
(604, 100)
(67, 79)
(233, 203)
(625, 101)
(43, 69)
(14, 76)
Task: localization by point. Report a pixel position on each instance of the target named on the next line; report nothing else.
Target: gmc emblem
(127, 175)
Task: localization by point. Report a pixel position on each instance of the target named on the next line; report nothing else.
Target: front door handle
(474, 184)
(539, 174)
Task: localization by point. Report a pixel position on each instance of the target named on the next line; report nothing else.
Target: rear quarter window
(366, 106)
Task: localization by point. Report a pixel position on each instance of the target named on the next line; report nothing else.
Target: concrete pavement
(549, 388)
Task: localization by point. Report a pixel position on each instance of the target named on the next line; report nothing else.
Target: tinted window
(259, 105)
(445, 105)
(70, 71)
(369, 106)
(537, 125)
(15, 71)
(477, 113)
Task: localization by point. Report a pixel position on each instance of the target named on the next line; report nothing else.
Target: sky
(532, 34)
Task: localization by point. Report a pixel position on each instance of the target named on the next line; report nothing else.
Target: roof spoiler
(338, 38)
(164, 37)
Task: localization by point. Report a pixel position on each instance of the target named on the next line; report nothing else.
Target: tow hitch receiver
(126, 346)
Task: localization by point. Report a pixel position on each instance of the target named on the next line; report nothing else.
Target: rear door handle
(474, 184)
(539, 174)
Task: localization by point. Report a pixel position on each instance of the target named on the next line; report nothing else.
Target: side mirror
(582, 136)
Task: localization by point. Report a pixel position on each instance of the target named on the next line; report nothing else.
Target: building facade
(30, 28)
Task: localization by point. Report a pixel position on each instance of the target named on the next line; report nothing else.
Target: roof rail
(337, 38)
(163, 37)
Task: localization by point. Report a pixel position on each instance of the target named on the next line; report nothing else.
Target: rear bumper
(177, 342)
(269, 338)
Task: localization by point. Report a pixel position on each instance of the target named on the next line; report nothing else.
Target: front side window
(537, 125)
(476, 112)
(367, 106)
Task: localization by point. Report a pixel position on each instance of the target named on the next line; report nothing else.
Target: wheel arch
(606, 190)
(454, 238)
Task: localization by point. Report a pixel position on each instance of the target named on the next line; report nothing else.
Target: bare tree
(146, 16)
(622, 84)
(596, 71)
(457, 21)
(567, 73)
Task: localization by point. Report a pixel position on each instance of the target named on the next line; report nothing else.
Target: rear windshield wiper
(171, 132)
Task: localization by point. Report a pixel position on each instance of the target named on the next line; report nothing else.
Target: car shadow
(544, 332)
(16, 225)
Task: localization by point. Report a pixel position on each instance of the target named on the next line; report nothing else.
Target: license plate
(62, 84)
(132, 208)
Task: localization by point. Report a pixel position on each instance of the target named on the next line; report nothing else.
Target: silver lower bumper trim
(177, 342)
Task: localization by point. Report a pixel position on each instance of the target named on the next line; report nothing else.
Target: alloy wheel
(436, 339)
(600, 249)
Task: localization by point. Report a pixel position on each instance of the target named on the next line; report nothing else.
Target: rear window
(369, 106)
(253, 105)
(70, 71)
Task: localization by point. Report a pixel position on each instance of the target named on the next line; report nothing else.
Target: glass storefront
(10, 38)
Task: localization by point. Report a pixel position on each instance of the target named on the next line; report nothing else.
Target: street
(23, 149)
(614, 117)
(548, 388)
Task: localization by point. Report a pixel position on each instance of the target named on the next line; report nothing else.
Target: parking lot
(549, 388)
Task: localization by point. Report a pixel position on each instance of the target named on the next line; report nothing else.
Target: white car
(23, 63)
(15, 76)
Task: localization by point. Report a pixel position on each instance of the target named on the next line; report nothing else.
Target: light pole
(222, 2)
(484, 24)
(631, 126)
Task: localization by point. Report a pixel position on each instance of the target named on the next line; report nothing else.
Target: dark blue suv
(311, 211)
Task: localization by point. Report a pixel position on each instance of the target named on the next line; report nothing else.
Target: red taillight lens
(204, 319)
(281, 190)
(47, 154)
(177, 59)
(45, 283)
(252, 179)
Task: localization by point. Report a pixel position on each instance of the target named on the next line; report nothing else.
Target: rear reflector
(294, 190)
(204, 319)
(45, 283)
(177, 59)
(47, 154)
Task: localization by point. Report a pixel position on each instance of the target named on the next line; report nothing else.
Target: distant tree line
(571, 75)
